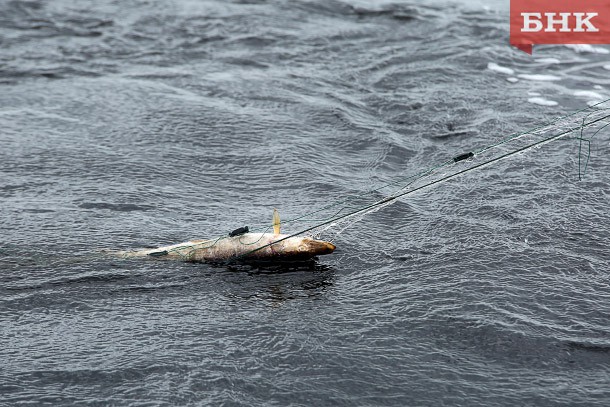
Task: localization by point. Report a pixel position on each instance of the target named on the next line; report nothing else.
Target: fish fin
(276, 222)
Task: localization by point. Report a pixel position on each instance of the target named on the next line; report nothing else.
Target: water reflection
(278, 283)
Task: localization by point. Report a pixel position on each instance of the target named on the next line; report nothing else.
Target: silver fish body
(246, 247)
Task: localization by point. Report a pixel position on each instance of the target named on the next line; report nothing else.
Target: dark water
(131, 124)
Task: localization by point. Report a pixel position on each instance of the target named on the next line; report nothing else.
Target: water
(148, 123)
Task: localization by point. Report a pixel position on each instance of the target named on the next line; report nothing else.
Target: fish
(243, 246)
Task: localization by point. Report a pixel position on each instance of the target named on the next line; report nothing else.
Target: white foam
(542, 101)
(548, 60)
(512, 79)
(598, 87)
(539, 77)
(607, 67)
(501, 69)
(582, 48)
(589, 94)
(533, 94)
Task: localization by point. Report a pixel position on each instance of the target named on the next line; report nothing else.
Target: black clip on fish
(239, 231)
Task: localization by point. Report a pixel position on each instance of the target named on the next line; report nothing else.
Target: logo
(559, 22)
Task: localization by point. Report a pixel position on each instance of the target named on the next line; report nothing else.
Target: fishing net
(328, 221)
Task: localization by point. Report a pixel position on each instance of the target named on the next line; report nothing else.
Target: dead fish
(241, 247)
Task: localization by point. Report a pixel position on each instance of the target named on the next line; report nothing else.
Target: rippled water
(131, 124)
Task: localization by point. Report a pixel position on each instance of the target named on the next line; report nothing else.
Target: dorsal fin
(276, 222)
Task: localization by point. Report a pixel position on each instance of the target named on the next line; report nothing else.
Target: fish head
(312, 247)
(289, 248)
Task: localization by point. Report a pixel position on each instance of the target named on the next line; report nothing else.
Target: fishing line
(359, 212)
(583, 171)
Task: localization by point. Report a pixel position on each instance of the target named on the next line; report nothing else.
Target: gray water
(137, 124)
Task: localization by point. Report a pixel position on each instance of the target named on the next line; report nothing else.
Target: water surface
(125, 125)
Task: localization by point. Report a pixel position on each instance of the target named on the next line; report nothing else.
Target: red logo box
(559, 22)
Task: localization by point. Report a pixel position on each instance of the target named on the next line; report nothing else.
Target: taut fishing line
(332, 219)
